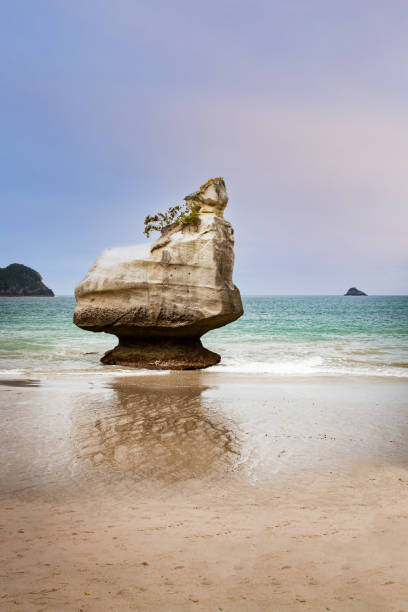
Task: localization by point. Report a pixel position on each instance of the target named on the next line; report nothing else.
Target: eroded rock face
(160, 303)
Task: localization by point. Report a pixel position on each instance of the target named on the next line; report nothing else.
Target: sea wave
(314, 366)
(298, 367)
(78, 374)
(277, 336)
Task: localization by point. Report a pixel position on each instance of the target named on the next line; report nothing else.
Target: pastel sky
(113, 109)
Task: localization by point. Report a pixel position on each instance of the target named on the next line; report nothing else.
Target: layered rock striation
(159, 303)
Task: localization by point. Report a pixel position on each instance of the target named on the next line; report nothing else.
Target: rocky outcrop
(161, 302)
(354, 291)
(21, 281)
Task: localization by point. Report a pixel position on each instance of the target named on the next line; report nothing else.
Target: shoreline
(110, 374)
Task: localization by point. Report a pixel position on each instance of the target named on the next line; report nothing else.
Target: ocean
(278, 335)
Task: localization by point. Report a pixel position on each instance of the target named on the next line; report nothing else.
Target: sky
(114, 109)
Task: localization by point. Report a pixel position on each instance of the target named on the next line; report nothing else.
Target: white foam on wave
(14, 372)
(314, 365)
(135, 372)
(80, 374)
(292, 367)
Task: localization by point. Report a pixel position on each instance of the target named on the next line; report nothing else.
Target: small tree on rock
(186, 214)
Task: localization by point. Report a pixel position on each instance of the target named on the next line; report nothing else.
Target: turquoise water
(278, 335)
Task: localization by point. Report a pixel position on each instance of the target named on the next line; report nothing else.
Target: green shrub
(184, 214)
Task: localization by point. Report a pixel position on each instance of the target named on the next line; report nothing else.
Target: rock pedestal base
(161, 354)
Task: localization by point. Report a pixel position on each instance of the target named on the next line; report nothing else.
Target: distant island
(355, 291)
(18, 281)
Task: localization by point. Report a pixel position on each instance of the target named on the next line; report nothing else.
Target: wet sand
(199, 491)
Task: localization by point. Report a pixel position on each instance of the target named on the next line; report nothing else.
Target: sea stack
(159, 305)
(355, 291)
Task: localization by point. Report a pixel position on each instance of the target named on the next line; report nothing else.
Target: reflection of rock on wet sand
(154, 432)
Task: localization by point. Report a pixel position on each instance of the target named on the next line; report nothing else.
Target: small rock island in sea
(355, 291)
(21, 281)
(161, 303)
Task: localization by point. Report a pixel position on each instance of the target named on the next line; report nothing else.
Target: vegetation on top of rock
(217, 179)
(18, 280)
(186, 214)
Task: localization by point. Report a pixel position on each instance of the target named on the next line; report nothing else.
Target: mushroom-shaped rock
(160, 303)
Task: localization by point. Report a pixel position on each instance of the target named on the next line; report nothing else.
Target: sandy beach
(200, 491)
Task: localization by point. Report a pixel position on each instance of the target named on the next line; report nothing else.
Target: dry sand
(198, 492)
